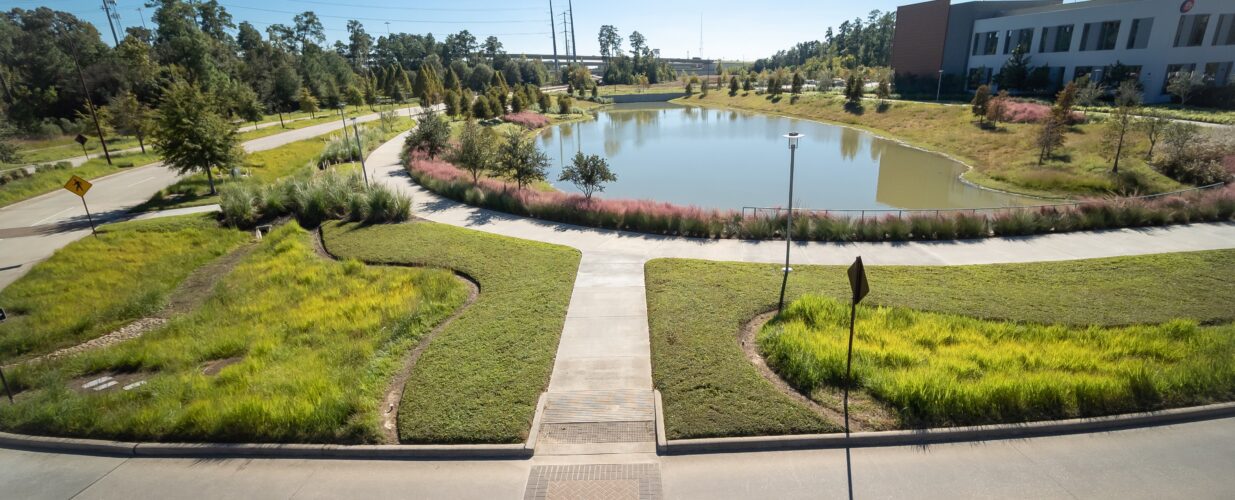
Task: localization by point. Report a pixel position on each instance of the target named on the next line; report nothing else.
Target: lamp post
(939, 86)
(793, 149)
(360, 148)
(343, 118)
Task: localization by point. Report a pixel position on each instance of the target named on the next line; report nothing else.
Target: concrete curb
(949, 435)
(662, 444)
(516, 451)
(534, 434)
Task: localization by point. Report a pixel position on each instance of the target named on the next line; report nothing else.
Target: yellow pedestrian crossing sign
(78, 186)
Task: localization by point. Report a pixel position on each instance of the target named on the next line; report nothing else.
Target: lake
(733, 159)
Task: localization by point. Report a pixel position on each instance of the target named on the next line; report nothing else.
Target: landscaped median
(940, 346)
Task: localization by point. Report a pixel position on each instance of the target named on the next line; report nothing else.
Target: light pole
(939, 87)
(343, 118)
(793, 149)
(360, 148)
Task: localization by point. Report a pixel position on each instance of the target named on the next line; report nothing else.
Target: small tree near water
(589, 173)
(522, 160)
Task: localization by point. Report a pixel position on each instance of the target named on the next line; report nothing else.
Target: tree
(703, 88)
(480, 107)
(492, 48)
(1050, 137)
(854, 89)
(1154, 126)
(193, 137)
(477, 150)
(610, 42)
(431, 135)
(453, 103)
(981, 103)
(359, 45)
(1088, 92)
(564, 104)
(1127, 102)
(1014, 75)
(733, 86)
(747, 86)
(427, 88)
(588, 173)
(522, 160)
(884, 90)
(796, 86)
(130, 117)
(308, 29)
(517, 105)
(1179, 137)
(1182, 85)
(998, 108)
(308, 103)
(353, 96)
(638, 44)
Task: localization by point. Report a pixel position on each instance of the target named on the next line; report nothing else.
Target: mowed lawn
(480, 378)
(696, 309)
(290, 347)
(97, 284)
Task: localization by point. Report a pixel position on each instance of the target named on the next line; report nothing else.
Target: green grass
(296, 158)
(64, 147)
(1003, 159)
(943, 369)
(97, 284)
(479, 381)
(696, 309)
(294, 125)
(1177, 112)
(317, 342)
(48, 180)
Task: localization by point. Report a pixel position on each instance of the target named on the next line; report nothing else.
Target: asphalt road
(110, 198)
(1182, 461)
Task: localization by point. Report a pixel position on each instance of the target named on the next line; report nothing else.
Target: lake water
(732, 159)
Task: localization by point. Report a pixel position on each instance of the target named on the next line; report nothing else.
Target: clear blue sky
(731, 29)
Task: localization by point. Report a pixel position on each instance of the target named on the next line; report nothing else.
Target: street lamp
(360, 149)
(343, 118)
(793, 149)
(939, 87)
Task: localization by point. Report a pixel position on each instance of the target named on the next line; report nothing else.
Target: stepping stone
(135, 385)
(94, 383)
(105, 385)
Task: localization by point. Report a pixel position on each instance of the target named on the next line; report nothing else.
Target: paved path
(57, 215)
(1181, 461)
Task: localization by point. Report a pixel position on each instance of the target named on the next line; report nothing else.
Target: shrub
(528, 119)
(312, 201)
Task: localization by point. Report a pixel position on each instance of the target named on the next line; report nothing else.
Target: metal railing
(774, 212)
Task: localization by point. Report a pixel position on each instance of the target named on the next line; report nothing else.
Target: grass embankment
(945, 369)
(673, 87)
(46, 180)
(95, 285)
(64, 147)
(1003, 159)
(479, 381)
(696, 309)
(312, 344)
(263, 167)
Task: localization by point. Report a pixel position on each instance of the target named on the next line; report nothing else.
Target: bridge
(692, 65)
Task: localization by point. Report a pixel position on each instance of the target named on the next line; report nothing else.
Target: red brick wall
(917, 45)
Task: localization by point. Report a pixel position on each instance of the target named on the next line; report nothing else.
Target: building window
(1138, 38)
(1218, 73)
(1093, 72)
(1019, 38)
(1118, 73)
(1174, 70)
(1100, 36)
(1056, 39)
(985, 44)
(1191, 31)
(1225, 34)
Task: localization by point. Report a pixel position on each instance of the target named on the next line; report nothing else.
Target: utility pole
(553, 33)
(387, 29)
(700, 36)
(142, 16)
(109, 7)
(574, 47)
(90, 104)
(566, 38)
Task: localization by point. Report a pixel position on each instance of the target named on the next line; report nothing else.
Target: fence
(776, 212)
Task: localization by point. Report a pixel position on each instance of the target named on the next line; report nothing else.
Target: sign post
(857, 284)
(79, 186)
(2, 379)
(81, 139)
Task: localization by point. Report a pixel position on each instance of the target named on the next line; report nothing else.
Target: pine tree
(981, 102)
(733, 86)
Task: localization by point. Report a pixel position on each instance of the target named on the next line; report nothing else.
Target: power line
(383, 19)
(424, 9)
(342, 30)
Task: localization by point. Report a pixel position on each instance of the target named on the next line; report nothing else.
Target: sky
(730, 29)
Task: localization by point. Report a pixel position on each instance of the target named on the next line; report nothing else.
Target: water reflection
(730, 159)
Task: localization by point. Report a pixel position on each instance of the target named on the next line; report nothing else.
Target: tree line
(852, 44)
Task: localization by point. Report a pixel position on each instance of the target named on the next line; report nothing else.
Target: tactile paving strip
(599, 406)
(598, 432)
(594, 482)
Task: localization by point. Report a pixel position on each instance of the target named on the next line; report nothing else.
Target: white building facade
(1150, 40)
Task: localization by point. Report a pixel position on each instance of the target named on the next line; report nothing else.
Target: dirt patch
(214, 366)
(108, 382)
(197, 287)
(388, 407)
(865, 412)
(124, 333)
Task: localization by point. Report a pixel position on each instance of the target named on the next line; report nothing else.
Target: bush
(331, 196)
(528, 119)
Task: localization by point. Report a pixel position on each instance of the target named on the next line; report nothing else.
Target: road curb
(948, 435)
(517, 451)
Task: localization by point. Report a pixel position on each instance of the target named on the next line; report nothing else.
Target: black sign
(81, 139)
(857, 281)
(2, 315)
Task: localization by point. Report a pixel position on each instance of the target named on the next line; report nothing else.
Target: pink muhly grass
(528, 119)
(1026, 112)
